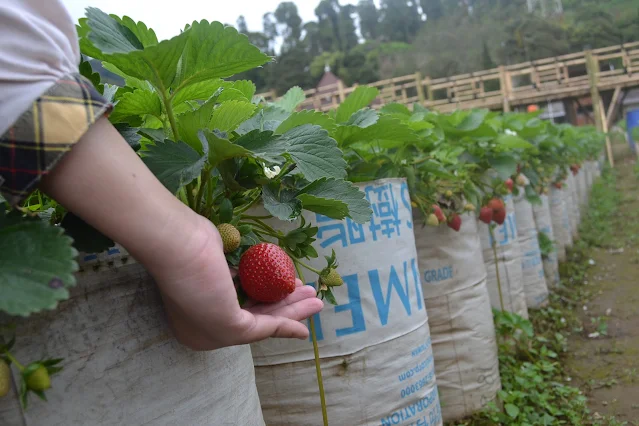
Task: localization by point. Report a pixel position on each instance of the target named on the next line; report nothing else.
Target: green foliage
(546, 245)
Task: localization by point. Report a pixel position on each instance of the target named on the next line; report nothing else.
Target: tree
(368, 19)
(347, 30)
(241, 25)
(269, 26)
(432, 8)
(487, 61)
(287, 16)
(327, 12)
(400, 20)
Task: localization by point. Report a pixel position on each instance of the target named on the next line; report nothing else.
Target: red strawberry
(438, 212)
(558, 185)
(267, 273)
(455, 222)
(486, 215)
(496, 204)
(509, 184)
(499, 216)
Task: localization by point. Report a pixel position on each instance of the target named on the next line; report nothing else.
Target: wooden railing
(499, 88)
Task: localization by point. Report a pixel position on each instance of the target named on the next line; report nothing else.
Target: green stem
(310, 268)
(189, 195)
(261, 231)
(13, 360)
(501, 295)
(256, 217)
(318, 367)
(244, 208)
(204, 182)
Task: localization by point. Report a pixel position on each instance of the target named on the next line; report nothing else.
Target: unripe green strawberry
(449, 194)
(5, 378)
(332, 279)
(469, 207)
(230, 237)
(432, 220)
(267, 274)
(39, 380)
(521, 180)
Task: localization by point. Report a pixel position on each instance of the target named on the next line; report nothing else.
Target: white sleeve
(38, 46)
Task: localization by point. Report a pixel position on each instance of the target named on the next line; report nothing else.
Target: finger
(265, 326)
(299, 310)
(300, 293)
(299, 283)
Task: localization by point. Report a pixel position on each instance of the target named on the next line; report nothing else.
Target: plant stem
(318, 367)
(261, 231)
(206, 176)
(256, 217)
(310, 268)
(501, 295)
(13, 360)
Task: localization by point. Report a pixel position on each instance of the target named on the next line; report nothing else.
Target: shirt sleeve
(45, 105)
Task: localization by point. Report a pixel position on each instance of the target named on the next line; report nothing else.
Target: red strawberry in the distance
(509, 184)
(455, 222)
(438, 212)
(499, 216)
(558, 185)
(267, 273)
(486, 215)
(496, 204)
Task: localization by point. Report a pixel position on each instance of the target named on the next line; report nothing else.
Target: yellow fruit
(231, 237)
(432, 220)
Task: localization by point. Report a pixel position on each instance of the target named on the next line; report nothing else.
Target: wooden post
(429, 91)
(340, 91)
(420, 88)
(592, 65)
(273, 95)
(505, 87)
(612, 110)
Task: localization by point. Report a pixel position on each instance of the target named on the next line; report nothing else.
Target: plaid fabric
(45, 132)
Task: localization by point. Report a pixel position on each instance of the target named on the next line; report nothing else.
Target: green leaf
(363, 118)
(190, 123)
(396, 109)
(36, 267)
(329, 196)
(360, 98)
(145, 35)
(472, 121)
(175, 164)
(264, 145)
(137, 103)
(512, 142)
(110, 41)
(291, 99)
(505, 166)
(512, 410)
(231, 114)
(221, 149)
(129, 134)
(199, 91)
(216, 51)
(268, 118)
(315, 153)
(85, 237)
(386, 128)
(246, 87)
(307, 117)
(281, 203)
(226, 211)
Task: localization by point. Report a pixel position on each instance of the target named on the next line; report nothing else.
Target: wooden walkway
(567, 76)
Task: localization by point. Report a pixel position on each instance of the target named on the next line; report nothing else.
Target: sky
(167, 21)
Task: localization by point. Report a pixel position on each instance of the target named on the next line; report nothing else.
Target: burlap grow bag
(121, 364)
(572, 205)
(535, 286)
(545, 223)
(460, 317)
(509, 261)
(375, 346)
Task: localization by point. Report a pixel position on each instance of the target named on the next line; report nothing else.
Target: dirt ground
(606, 367)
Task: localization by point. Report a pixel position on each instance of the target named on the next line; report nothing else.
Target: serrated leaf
(199, 91)
(264, 145)
(137, 103)
(36, 267)
(307, 117)
(315, 153)
(190, 123)
(512, 142)
(144, 35)
(363, 118)
(396, 109)
(221, 149)
(175, 164)
(110, 41)
(216, 51)
(246, 87)
(505, 166)
(360, 98)
(281, 204)
(387, 128)
(472, 120)
(85, 237)
(511, 410)
(231, 114)
(129, 134)
(291, 99)
(268, 118)
(327, 196)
